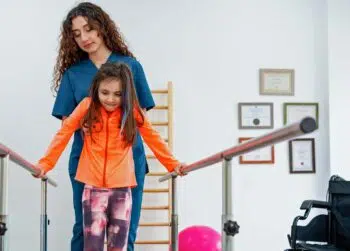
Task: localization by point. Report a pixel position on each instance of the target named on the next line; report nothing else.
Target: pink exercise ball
(199, 238)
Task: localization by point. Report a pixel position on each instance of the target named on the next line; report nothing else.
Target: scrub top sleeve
(65, 102)
(143, 91)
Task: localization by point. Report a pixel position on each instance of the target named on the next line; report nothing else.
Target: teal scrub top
(75, 86)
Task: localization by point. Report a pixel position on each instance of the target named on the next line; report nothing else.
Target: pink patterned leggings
(106, 210)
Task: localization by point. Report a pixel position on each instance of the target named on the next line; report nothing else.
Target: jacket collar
(105, 113)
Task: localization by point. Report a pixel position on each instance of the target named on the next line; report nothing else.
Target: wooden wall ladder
(166, 107)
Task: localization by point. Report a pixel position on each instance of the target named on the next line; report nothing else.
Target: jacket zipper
(106, 150)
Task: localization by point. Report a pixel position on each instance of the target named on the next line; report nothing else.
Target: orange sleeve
(155, 142)
(62, 137)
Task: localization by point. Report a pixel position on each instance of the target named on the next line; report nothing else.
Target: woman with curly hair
(89, 38)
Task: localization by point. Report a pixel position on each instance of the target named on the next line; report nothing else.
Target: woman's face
(87, 39)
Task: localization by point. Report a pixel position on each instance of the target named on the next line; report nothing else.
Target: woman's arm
(143, 91)
(65, 102)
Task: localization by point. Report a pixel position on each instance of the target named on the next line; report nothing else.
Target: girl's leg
(119, 219)
(95, 203)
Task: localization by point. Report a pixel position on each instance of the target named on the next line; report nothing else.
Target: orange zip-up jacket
(106, 161)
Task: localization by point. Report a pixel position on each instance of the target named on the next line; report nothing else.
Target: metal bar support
(43, 216)
(4, 160)
(174, 217)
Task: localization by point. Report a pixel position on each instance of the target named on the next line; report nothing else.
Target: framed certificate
(302, 155)
(264, 155)
(255, 115)
(294, 112)
(276, 82)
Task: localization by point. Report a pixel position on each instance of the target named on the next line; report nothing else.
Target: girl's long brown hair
(128, 123)
(69, 53)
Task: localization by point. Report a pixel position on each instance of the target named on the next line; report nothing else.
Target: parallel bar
(16, 158)
(306, 125)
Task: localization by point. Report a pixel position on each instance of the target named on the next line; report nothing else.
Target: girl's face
(110, 94)
(87, 39)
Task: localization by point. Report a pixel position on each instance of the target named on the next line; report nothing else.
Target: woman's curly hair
(69, 52)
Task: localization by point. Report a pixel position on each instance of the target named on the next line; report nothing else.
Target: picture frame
(278, 82)
(294, 112)
(255, 116)
(302, 155)
(265, 155)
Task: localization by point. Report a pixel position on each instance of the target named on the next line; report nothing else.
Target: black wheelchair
(329, 231)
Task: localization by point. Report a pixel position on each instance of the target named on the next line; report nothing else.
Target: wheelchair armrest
(308, 204)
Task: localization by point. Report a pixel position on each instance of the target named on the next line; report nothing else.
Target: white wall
(212, 51)
(339, 61)
(28, 41)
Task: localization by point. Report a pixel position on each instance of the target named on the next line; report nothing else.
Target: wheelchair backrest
(339, 197)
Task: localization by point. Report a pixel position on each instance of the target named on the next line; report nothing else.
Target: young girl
(109, 117)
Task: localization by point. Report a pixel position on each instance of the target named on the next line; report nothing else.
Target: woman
(89, 38)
